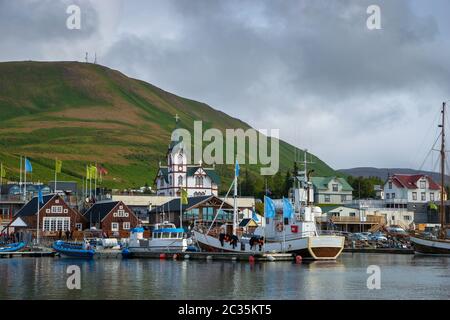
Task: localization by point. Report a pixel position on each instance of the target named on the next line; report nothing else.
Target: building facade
(411, 189)
(55, 215)
(196, 179)
(112, 217)
(331, 190)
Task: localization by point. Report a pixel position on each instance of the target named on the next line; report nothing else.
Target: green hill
(84, 113)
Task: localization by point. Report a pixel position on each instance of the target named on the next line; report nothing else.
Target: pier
(232, 256)
(27, 254)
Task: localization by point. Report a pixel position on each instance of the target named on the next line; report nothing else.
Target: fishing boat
(12, 247)
(74, 249)
(427, 244)
(165, 238)
(296, 233)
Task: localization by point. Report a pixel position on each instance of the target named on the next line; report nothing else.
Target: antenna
(86, 57)
(95, 58)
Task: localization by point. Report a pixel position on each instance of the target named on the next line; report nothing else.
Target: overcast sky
(353, 96)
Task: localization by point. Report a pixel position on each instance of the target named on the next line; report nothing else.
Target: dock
(27, 254)
(232, 256)
(379, 250)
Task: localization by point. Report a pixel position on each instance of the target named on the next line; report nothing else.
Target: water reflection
(403, 277)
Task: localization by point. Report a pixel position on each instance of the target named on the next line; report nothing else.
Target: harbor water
(402, 277)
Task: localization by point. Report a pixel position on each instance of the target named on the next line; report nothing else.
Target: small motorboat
(12, 247)
(74, 249)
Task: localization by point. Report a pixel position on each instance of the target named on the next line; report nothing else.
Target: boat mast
(235, 218)
(442, 209)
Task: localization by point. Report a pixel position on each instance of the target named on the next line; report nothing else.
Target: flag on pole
(254, 216)
(184, 196)
(58, 166)
(236, 169)
(28, 166)
(40, 197)
(93, 172)
(2, 171)
(288, 209)
(269, 208)
(88, 173)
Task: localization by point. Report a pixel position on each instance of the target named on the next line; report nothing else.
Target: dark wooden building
(54, 215)
(113, 217)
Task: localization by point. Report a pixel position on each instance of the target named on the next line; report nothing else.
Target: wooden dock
(27, 254)
(379, 250)
(231, 256)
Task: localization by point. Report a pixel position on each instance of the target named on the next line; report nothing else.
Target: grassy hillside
(85, 113)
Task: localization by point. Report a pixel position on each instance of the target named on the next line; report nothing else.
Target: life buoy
(280, 226)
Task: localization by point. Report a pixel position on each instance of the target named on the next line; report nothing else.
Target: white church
(196, 179)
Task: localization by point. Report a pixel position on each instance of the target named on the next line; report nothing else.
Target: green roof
(321, 183)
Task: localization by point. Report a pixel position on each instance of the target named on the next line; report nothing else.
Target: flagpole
(56, 161)
(20, 174)
(37, 230)
(95, 185)
(181, 207)
(25, 181)
(1, 177)
(90, 184)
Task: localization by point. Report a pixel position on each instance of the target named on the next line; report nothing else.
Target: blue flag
(28, 167)
(269, 208)
(236, 169)
(288, 209)
(254, 216)
(40, 197)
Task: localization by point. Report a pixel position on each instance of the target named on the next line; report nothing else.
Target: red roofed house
(401, 189)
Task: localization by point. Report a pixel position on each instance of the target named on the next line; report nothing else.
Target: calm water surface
(402, 277)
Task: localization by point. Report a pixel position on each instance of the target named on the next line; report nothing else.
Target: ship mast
(442, 209)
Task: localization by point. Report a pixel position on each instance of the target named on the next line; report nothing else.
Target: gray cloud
(311, 68)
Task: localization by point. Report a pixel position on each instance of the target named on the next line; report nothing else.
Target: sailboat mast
(442, 211)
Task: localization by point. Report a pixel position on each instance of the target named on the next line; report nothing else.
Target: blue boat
(12, 247)
(74, 249)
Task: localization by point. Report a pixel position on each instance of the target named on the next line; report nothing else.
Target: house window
(57, 209)
(180, 180)
(199, 181)
(388, 195)
(327, 198)
(343, 198)
(390, 185)
(126, 226)
(407, 218)
(352, 214)
(423, 184)
(392, 218)
(393, 196)
(414, 196)
(115, 226)
(79, 226)
(56, 224)
(432, 196)
(335, 187)
(335, 214)
(423, 196)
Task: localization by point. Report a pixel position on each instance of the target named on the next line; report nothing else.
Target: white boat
(297, 235)
(166, 238)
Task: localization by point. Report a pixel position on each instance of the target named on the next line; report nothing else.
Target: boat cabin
(167, 230)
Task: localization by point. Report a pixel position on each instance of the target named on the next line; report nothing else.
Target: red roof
(410, 181)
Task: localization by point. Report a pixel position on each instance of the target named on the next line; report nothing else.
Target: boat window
(166, 235)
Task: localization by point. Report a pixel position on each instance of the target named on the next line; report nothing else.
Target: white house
(331, 190)
(401, 189)
(196, 179)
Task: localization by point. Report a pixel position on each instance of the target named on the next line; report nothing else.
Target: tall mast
(442, 211)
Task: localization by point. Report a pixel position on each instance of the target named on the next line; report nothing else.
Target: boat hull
(431, 247)
(14, 247)
(72, 252)
(156, 246)
(316, 248)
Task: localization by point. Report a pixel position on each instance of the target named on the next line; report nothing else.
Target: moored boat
(436, 245)
(12, 247)
(165, 238)
(74, 249)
